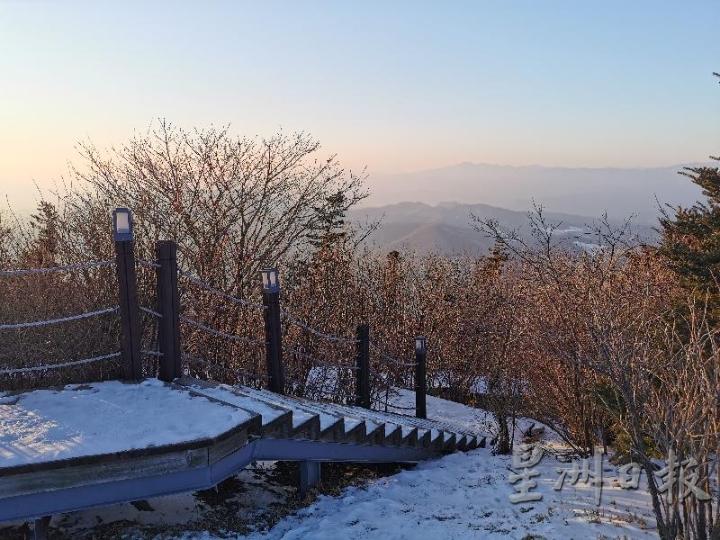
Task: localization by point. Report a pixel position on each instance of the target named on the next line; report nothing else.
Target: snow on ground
(442, 410)
(464, 496)
(460, 496)
(99, 418)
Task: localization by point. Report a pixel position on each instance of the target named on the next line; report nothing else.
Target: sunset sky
(397, 86)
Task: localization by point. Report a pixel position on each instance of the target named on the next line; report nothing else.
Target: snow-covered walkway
(466, 496)
(460, 496)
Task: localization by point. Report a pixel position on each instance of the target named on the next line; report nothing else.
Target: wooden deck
(265, 426)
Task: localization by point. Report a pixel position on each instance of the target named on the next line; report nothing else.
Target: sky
(393, 86)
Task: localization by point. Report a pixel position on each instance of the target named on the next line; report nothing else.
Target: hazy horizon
(476, 183)
(397, 88)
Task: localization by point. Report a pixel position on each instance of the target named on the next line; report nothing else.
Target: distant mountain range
(447, 227)
(578, 191)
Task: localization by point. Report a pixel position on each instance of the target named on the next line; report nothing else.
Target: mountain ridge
(447, 227)
(587, 191)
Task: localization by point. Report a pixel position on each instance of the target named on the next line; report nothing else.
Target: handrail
(47, 322)
(46, 367)
(51, 269)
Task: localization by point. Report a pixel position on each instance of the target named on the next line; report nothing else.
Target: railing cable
(219, 333)
(250, 374)
(47, 367)
(203, 285)
(47, 322)
(318, 361)
(51, 269)
(316, 332)
(148, 264)
(391, 405)
(385, 356)
(151, 312)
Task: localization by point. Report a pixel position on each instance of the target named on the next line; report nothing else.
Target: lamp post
(127, 293)
(420, 377)
(273, 330)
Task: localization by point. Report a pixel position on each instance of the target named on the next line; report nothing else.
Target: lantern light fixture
(420, 345)
(122, 224)
(270, 280)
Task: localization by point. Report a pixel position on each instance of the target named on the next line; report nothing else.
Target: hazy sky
(396, 86)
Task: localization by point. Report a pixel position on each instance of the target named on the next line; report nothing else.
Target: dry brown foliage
(600, 345)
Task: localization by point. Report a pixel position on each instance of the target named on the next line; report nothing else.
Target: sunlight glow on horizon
(397, 88)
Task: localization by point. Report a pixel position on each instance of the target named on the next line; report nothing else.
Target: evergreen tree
(496, 259)
(330, 222)
(44, 248)
(691, 237)
(6, 240)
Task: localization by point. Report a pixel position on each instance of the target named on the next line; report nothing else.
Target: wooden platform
(66, 472)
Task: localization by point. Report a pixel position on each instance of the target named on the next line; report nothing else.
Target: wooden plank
(335, 432)
(98, 473)
(428, 423)
(462, 442)
(438, 443)
(250, 425)
(412, 438)
(374, 434)
(300, 405)
(285, 425)
(226, 447)
(426, 439)
(395, 437)
(310, 429)
(357, 434)
(432, 424)
(280, 425)
(450, 445)
(471, 443)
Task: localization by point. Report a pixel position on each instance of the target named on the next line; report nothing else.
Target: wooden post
(168, 304)
(310, 476)
(362, 389)
(40, 528)
(273, 331)
(127, 295)
(420, 377)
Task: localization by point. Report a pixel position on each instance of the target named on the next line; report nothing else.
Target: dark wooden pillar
(127, 294)
(310, 476)
(362, 389)
(40, 528)
(273, 331)
(420, 377)
(168, 305)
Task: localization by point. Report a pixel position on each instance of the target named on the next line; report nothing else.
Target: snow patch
(106, 417)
